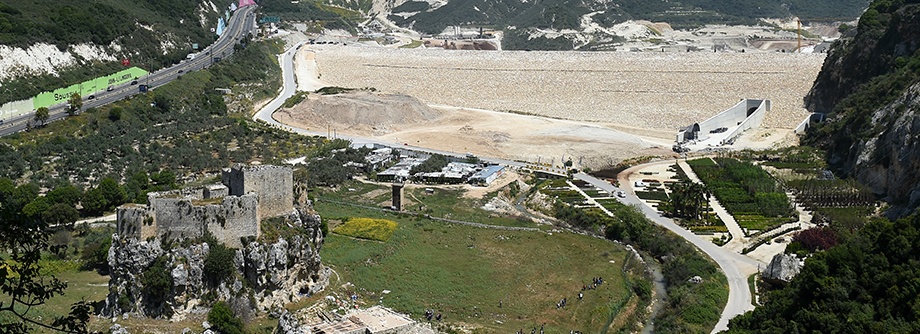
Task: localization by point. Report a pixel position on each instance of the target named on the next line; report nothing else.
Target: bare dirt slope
(361, 112)
(403, 119)
(652, 90)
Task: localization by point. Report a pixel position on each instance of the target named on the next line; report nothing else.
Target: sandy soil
(493, 134)
(649, 90)
(505, 179)
(629, 123)
(305, 62)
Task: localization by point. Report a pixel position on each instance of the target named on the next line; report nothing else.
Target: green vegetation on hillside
(184, 126)
(319, 12)
(441, 203)
(862, 75)
(866, 284)
(140, 28)
(67, 22)
(567, 14)
(690, 307)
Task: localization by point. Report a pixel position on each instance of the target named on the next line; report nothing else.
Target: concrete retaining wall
(744, 115)
(750, 121)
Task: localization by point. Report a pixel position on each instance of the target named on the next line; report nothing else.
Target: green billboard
(61, 95)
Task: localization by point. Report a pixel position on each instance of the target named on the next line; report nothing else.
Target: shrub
(157, 281)
(219, 263)
(95, 255)
(821, 238)
(368, 228)
(223, 320)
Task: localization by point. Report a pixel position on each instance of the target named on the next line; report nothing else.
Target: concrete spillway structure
(724, 127)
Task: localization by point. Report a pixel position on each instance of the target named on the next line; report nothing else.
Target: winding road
(737, 268)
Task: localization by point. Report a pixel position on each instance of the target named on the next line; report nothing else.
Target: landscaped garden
(746, 191)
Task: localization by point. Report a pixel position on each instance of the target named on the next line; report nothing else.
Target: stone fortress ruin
(230, 211)
(268, 238)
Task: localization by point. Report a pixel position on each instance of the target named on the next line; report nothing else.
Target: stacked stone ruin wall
(135, 222)
(177, 218)
(251, 194)
(235, 218)
(273, 184)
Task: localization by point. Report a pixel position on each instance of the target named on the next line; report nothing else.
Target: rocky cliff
(283, 265)
(869, 89)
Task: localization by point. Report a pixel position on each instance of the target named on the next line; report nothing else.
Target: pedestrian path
(738, 237)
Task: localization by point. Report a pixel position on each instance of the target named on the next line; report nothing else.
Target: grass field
(81, 285)
(464, 272)
(442, 203)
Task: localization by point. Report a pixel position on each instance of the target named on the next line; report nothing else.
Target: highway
(241, 23)
(736, 267)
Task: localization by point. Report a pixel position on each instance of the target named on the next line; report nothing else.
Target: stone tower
(273, 184)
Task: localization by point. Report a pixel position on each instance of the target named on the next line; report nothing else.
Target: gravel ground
(647, 90)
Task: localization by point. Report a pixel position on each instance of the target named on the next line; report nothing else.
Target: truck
(142, 88)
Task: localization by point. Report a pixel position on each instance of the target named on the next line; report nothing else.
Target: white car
(621, 194)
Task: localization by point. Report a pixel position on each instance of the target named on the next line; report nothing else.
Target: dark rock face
(869, 87)
(266, 274)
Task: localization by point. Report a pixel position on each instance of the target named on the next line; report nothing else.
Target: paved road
(241, 23)
(736, 267)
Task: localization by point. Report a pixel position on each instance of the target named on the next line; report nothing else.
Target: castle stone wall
(177, 218)
(235, 218)
(216, 191)
(247, 195)
(135, 221)
(273, 184)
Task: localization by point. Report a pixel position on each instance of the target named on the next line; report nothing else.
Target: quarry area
(647, 90)
(595, 107)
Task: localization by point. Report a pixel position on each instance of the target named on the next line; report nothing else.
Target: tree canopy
(24, 235)
(42, 114)
(869, 283)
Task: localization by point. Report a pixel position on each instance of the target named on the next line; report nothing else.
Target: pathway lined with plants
(736, 267)
(737, 234)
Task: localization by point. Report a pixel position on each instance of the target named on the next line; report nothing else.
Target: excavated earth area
(403, 119)
(649, 90)
(596, 108)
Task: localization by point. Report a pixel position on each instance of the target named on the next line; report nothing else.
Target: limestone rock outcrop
(267, 273)
(870, 94)
(288, 324)
(782, 268)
